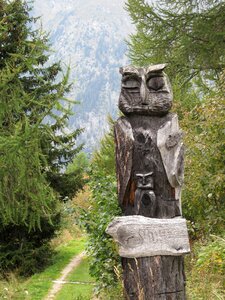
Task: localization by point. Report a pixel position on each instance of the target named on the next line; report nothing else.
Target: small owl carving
(145, 91)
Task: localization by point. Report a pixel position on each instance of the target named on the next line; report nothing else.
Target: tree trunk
(154, 278)
(144, 189)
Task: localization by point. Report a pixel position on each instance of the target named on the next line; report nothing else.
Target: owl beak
(144, 94)
(143, 180)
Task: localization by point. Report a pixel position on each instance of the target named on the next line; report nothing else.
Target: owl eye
(155, 83)
(131, 83)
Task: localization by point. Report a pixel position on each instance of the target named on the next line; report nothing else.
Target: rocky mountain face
(90, 36)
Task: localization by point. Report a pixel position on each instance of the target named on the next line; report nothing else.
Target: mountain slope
(89, 35)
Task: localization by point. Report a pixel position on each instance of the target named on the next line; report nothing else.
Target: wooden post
(149, 157)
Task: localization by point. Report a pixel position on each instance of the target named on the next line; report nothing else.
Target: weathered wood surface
(154, 278)
(139, 236)
(145, 91)
(171, 147)
(148, 192)
(124, 148)
(137, 153)
(149, 160)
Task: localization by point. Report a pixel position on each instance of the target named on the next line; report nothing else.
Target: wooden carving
(149, 159)
(148, 142)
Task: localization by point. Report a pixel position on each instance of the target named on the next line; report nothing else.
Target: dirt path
(59, 282)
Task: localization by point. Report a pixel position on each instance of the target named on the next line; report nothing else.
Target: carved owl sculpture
(149, 148)
(145, 91)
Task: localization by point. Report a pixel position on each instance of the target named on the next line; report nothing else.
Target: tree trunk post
(149, 159)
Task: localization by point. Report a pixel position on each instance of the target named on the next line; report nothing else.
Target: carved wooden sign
(139, 236)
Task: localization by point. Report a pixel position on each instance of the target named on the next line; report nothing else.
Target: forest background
(42, 169)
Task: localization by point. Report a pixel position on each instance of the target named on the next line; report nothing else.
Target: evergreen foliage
(76, 171)
(34, 145)
(189, 35)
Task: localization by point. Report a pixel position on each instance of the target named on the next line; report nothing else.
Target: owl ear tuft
(129, 70)
(156, 68)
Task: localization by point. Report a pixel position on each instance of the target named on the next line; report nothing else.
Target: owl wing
(124, 152)
(171, 147)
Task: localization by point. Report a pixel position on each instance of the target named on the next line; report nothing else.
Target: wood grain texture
(154, 278)
(149, 160)
(137, 153)
(171, 147)
(124, 151)
(157, 277)
(145, 91)
(139, 236)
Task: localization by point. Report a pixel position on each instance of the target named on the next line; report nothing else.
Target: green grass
(81, 273)
(72, 291)
(37, 286)
(205, 270)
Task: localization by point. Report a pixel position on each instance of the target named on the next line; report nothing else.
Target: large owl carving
(149, 149)
(149, 162)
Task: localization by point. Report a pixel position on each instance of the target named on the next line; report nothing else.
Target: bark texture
(154, 278)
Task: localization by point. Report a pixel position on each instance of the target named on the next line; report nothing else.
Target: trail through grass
(37, 286)
(74, 291)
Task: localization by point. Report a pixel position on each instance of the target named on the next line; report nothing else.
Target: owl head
(145, 91)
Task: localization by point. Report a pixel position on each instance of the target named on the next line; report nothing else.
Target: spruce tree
(34, 145)
(188, 35)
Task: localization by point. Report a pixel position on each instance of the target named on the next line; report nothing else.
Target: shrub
(101, 249)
